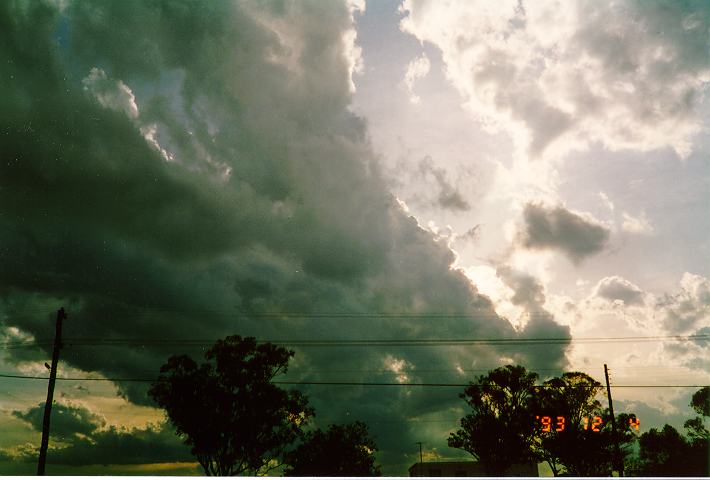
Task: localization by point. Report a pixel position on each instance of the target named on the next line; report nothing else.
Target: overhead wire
(318, 383)
(101, 341)
(133, 311)
(104, 342)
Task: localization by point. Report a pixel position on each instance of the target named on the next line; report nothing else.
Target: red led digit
(546, 422)
(597, 423)
(634, 422)
(560, 424)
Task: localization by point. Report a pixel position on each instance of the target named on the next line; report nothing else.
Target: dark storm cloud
(617, 288)
(87, 443)
(529, 292)
(197, 172)
(530, 295)
(557, 228)
(67, 420)
(156, 444)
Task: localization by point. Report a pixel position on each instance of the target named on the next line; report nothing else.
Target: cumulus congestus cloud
(198, 171)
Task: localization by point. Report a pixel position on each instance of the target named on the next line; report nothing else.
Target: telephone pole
(617, 453)
(50, 392)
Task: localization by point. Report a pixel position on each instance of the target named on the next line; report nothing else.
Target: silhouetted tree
(592, 453)
(342, 450)
(700, 402)
(233, 417)
(571, 396)
(668, 453)
(500, 429)
(662, 453)
(698, 435)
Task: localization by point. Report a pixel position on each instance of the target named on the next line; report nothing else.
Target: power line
(98, 341)
(78, 379)
(396, 384)
(142, 310)
(146, 311)
(317, 383)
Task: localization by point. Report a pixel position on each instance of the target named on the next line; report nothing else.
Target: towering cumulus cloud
(173, 171)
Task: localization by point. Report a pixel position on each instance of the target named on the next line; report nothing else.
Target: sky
(381, 170)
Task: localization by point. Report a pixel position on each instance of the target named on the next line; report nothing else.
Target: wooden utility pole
(50, 392)
(617, 452)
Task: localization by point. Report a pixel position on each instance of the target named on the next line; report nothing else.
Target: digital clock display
(594, 424)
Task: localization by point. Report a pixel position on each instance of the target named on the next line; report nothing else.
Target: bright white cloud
(606, 201)
(490, 284)
(560, 75)
(640, 225)
(352, 51)
(399, 367)
(150, 133)
(417, 68)
(113, 94)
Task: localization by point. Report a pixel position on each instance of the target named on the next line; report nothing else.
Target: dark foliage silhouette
(701, 401)
(503, 428)
(342, 450)
(590, 453)
(500, 429)
(667, 453)
(663, 453)
(231, 415)
(572, 396)
(577, 449)
(696, 426)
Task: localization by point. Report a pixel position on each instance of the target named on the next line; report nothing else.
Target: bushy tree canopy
(500, 429)
(573, 397)
(233, 417)
(697, 431)
(666, 452)
(701, 402)
(504, 425)
(342, 450)
(662, 452)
